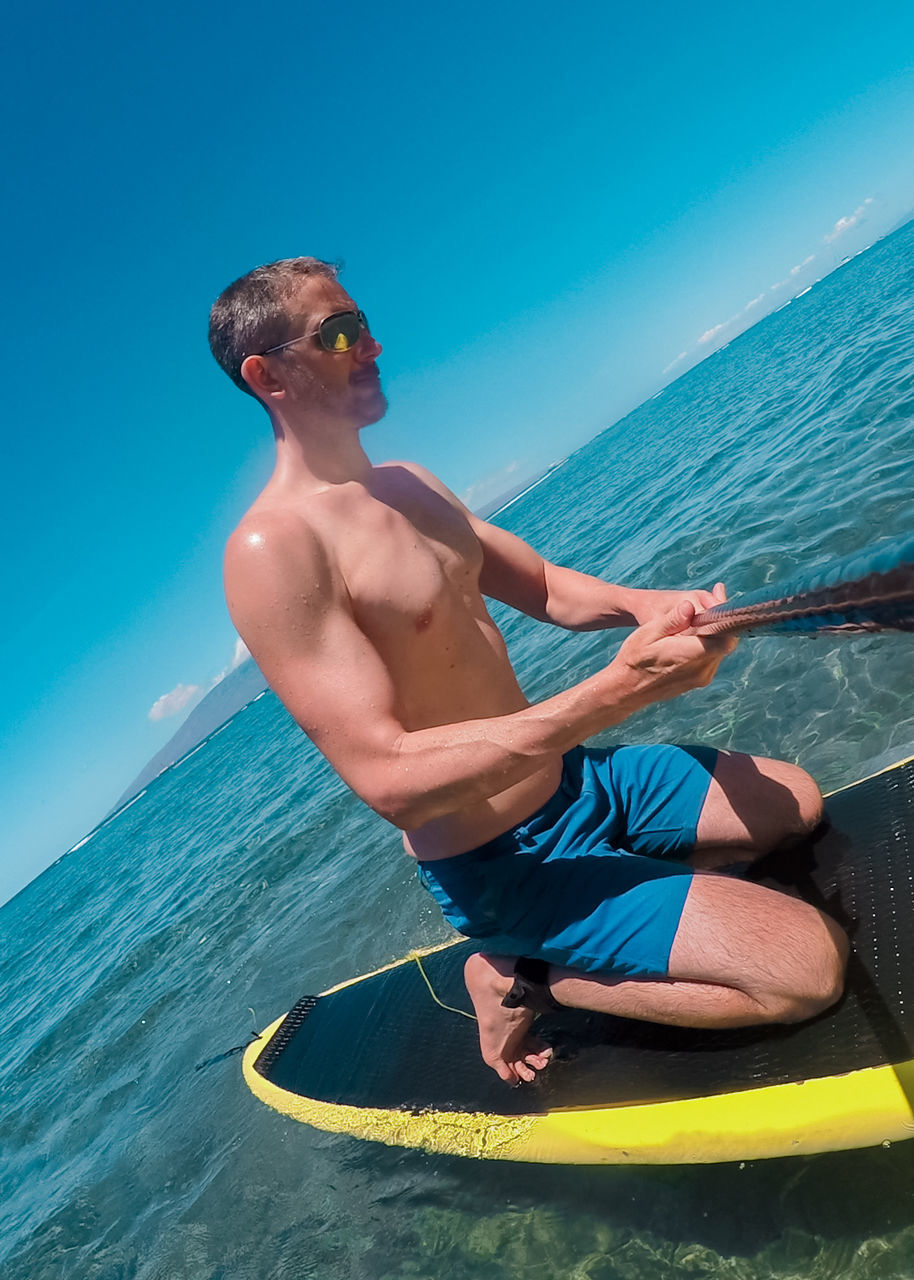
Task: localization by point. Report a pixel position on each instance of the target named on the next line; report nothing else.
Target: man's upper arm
(513, 571)
(291, 609)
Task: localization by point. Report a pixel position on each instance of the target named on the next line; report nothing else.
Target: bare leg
(754, 805)
(742, 955)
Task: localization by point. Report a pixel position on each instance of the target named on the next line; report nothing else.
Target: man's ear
(260, 378)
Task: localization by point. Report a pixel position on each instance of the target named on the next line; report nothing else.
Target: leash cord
(450, 1008)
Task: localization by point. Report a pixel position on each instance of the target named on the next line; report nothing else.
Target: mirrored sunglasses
(339, 332)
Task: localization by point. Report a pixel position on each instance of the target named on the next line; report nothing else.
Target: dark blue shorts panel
(594, 879)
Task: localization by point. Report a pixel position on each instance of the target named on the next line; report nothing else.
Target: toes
(503, 1070)
(520, 1070)
(527, 1066)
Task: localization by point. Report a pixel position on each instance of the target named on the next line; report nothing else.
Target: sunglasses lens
(341, 332)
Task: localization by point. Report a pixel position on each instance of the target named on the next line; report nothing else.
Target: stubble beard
(372, 416)
(311, 393)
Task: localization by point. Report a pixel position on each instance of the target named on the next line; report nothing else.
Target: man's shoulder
(273, 523)
(273, 534)
(401, 469)
(411, 473)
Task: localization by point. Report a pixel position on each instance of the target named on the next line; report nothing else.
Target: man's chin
(375, 411)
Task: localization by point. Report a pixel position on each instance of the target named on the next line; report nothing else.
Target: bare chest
(410, 573)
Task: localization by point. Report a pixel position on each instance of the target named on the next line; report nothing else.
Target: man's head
(256, 311)
(270, 332)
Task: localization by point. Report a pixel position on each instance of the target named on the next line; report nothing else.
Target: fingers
(708, 599)
(694, 602)
(718, 646)
(678, 619)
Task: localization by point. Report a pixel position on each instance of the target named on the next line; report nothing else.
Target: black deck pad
(383, 1043)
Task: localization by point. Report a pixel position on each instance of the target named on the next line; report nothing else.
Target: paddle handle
(872, 592)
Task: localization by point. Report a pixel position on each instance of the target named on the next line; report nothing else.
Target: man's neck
(319, 455)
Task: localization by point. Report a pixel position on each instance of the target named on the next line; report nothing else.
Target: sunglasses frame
(316, 333)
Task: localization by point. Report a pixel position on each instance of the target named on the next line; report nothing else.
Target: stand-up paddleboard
(378, 1058)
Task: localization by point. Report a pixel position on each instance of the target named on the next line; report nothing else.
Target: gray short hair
(251, 314)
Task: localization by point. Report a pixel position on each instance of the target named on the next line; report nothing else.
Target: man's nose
(367, 348)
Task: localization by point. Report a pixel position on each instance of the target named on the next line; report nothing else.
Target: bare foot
(506, 1046)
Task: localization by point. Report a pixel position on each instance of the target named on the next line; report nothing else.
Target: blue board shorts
(595, 880)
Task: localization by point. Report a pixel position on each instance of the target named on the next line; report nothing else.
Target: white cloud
(182, 695)
(241, 654)
(673, 363)
(171, 703)
(710, 334)
(795, 271)
(754, 302)
(707, 337)
(842, 225)
(851, 220)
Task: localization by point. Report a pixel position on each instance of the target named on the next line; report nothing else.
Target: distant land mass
(222, 702)
(495, 504)
(243, 684)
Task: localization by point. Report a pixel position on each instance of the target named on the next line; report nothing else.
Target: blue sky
(547, 213)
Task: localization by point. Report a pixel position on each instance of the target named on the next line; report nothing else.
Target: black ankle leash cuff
(530, 988)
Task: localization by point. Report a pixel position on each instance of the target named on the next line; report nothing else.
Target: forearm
(580, 602)
(431, 772)
(438, 770)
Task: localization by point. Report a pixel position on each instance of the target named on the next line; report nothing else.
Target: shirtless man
(359, 591)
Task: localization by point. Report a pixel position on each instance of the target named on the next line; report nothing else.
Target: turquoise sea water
(247, 875)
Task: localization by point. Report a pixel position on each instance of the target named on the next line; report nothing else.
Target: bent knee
(803, 807)
(810, 804)
(823, 979)
(759, 803)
